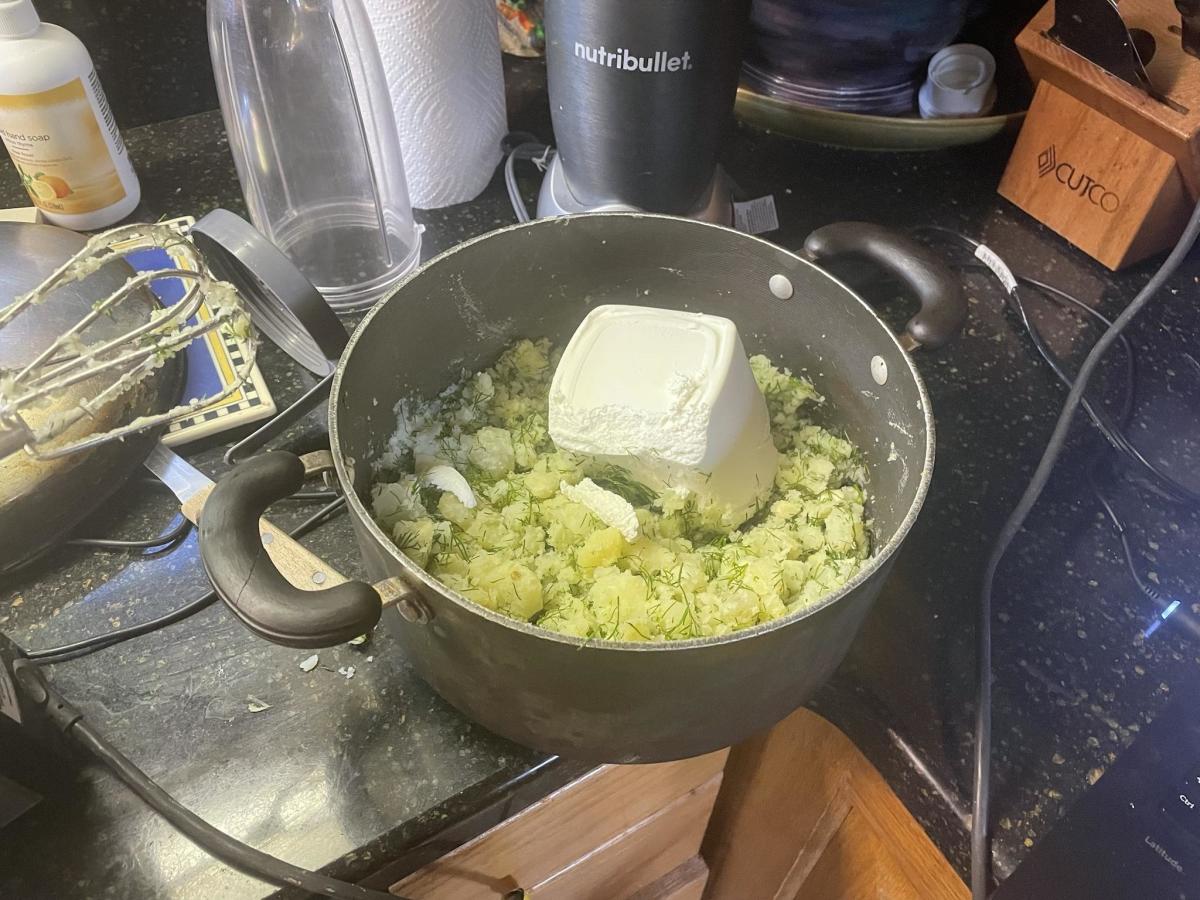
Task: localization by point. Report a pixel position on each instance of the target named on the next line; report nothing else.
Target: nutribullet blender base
(556, 198)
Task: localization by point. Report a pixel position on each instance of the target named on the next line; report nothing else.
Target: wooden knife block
(1113, 170)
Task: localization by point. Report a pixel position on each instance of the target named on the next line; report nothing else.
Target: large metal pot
(607, 701)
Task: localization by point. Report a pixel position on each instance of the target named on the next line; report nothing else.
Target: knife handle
(255, 567)
(295, 562)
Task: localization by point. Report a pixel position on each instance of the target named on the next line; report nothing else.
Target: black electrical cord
(179, 531)
(119, 635)
(111, 638)
(1113, 432)
(213, 841)
(1119, 526)
(168, 537)
(980, 855)
(1179, 613)
(313, 496)
(1102, 422)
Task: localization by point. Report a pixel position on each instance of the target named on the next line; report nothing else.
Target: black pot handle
(248, 580)
(943, 306)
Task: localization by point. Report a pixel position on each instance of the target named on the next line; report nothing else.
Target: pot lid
(283, 303)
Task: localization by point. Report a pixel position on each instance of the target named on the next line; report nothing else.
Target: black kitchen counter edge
(357, 767)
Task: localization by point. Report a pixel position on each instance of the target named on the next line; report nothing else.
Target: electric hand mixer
(84, 356)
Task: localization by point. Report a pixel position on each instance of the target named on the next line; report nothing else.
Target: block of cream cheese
(668, 396)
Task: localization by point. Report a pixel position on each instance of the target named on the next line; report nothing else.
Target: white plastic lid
(18, 18)
(960, 83)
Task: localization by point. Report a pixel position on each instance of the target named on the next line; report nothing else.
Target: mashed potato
(529, 552)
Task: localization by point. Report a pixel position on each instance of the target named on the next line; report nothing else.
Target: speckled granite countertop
(351, 774)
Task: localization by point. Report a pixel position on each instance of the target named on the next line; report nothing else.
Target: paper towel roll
(442, 59)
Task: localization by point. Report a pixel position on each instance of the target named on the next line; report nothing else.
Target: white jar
(57, 126)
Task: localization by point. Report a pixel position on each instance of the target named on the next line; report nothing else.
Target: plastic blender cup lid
(283, 303)
(960, 82)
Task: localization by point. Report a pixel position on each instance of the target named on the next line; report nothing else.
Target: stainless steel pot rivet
(413, 610)
(267, 537)
(318, 577)
(319, 462)
(879, 369)
(781, 287)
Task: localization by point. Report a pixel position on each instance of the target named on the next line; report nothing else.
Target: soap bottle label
(55, 139)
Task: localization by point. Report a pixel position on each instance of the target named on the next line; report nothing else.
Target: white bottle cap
(959, 83)
(18, 18)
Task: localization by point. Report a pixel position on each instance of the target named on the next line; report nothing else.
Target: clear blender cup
(313, 137)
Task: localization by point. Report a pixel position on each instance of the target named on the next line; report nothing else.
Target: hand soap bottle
(57, 126)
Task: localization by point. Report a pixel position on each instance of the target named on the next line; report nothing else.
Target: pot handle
(248, 580)
(943, 306)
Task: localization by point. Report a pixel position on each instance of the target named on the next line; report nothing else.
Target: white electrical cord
(540, 155)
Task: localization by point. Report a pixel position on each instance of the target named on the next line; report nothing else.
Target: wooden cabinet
(618, 832)
(799, 815)
(802, 815)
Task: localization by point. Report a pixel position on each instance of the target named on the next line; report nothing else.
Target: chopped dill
(405, 540)
(620, 482)
(688, 574)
